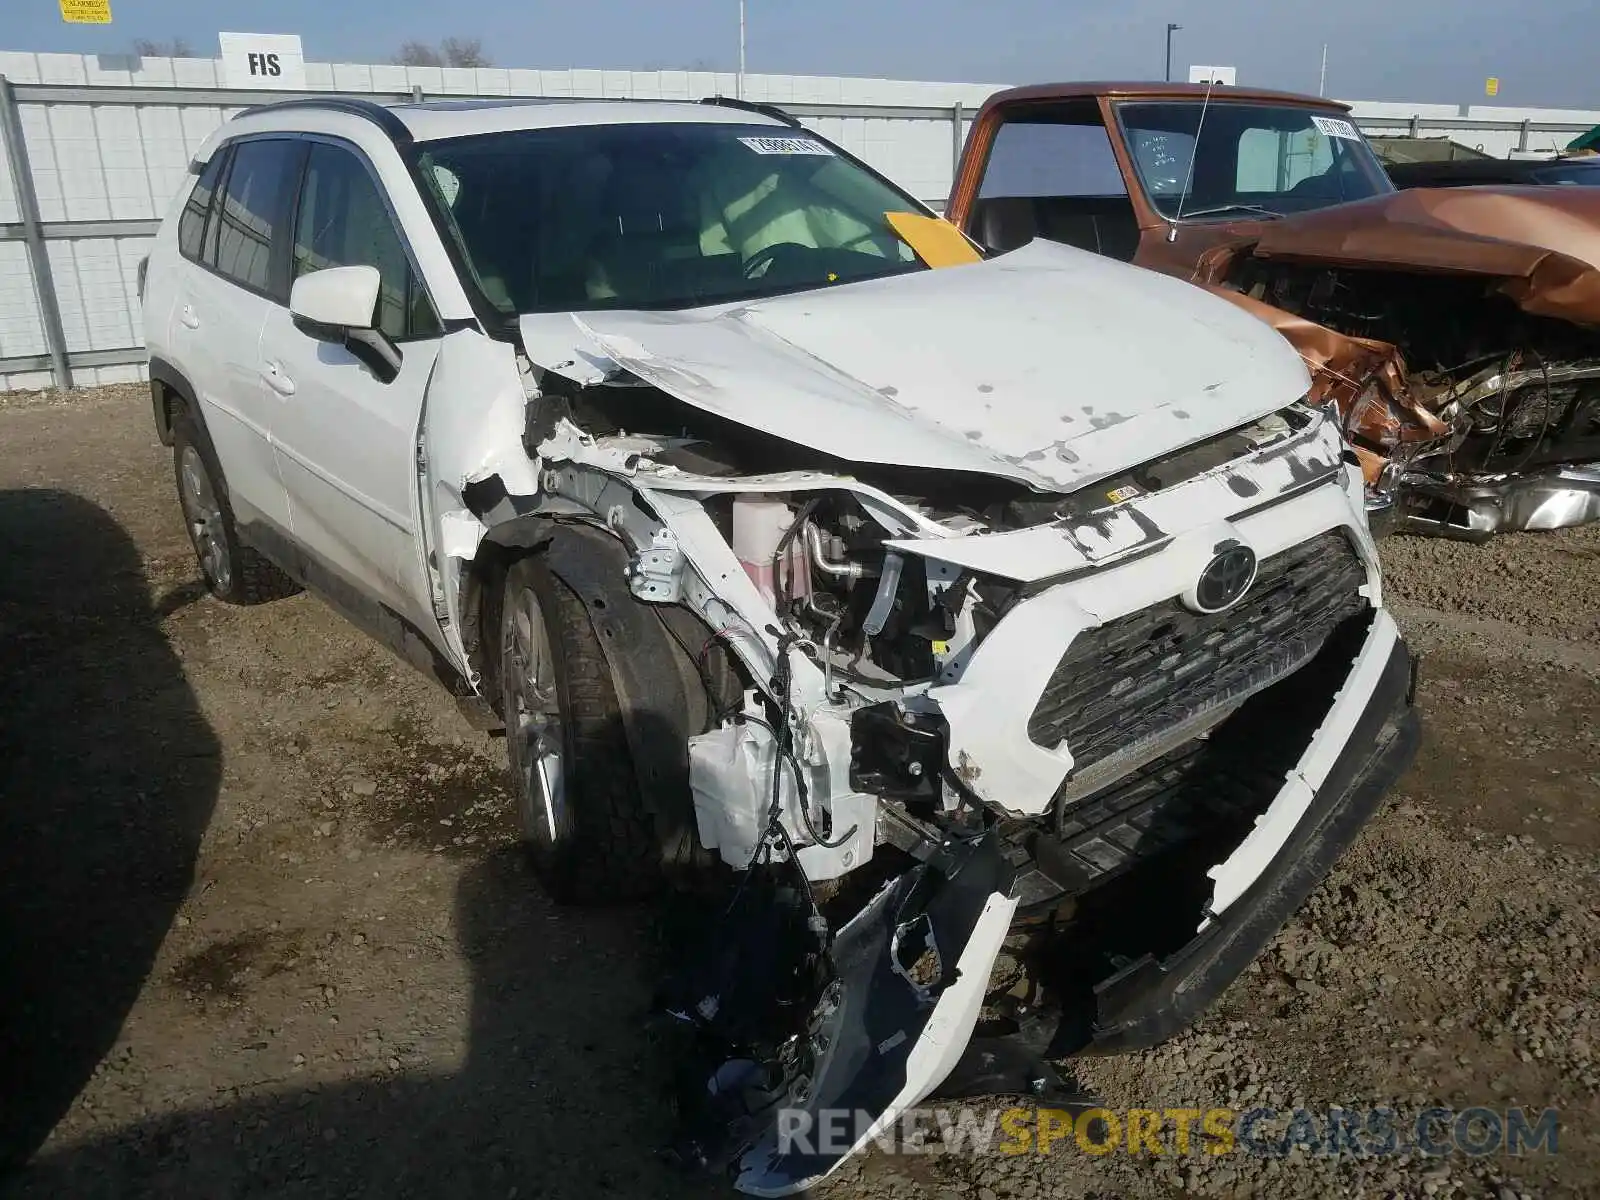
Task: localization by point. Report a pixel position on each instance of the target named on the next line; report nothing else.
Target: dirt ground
(264, 930)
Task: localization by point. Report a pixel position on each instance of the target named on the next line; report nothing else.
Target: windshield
(1253, 159)
(660, 215)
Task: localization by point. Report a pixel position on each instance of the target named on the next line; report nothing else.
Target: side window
(1051, 158)
(343, 222)
(192, 224)
(252, 211)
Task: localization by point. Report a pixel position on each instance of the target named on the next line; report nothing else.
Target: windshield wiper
(1224, 208)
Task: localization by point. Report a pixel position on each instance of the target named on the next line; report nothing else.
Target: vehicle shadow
(108, 776)
(560, 1094)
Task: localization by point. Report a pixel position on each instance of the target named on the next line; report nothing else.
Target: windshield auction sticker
(786, 145)
(1334, 127)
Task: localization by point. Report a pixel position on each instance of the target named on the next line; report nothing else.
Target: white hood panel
(1050, 366)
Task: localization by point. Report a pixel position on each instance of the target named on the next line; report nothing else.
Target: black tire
(233, 572)
(598, 843)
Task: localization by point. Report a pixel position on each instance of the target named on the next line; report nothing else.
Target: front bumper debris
(1150, 1000)
(864, 1025)
(1475, 509)
(904, 982)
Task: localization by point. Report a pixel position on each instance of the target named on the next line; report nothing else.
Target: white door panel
(215, 335)
(346, 440)
(346, 451)
(227, 236)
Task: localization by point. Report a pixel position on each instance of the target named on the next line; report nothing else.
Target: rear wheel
(588, 833)
(233, 571)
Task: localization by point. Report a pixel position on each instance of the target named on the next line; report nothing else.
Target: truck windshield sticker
(1336, 127)
(786, 145)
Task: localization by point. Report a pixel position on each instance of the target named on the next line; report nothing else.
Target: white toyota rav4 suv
(1007, 626)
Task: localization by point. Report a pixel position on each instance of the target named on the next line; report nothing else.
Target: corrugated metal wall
(100, 159)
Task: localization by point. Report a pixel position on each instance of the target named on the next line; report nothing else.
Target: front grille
(1134, 678)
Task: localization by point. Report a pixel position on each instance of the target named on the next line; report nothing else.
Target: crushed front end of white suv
(1009, 635)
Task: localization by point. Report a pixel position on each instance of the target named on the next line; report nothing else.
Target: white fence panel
(95, 163)
(21, 331)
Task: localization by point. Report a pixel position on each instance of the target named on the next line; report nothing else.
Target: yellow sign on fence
(86, 12)
(1491, 85)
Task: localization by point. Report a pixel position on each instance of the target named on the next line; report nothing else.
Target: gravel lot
(264, 931)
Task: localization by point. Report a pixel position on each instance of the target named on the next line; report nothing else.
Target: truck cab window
(1052, 173)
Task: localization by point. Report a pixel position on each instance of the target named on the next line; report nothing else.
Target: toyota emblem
(1226, 579)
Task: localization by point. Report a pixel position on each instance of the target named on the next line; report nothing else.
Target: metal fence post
(44, 284)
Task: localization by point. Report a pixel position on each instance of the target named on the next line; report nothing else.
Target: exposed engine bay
(1479, 418)
(959, 730)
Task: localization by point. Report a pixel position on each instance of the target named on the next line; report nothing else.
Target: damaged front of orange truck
(1456, 331)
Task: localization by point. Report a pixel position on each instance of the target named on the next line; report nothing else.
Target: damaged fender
(471, 432)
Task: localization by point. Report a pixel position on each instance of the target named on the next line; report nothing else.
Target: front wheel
(588, 833)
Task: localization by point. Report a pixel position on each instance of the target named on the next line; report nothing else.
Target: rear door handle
(273, 373)
(190, 318)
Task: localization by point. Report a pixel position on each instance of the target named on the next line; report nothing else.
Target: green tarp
(1586, 141)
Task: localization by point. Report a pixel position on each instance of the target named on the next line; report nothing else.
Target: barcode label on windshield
(786, 145)
(1334, 127)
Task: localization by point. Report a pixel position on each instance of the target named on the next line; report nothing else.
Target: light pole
(1171, 29)
(741, 49)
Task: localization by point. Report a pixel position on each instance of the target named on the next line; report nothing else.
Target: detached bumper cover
(884, 1041)
(1150, 1001)
(903, 984)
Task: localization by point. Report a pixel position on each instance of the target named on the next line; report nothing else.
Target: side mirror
(338, 298)
(338, 304)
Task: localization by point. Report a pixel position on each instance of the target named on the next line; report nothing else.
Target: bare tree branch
(452, 52)
(464, 52)
(176, 48)
(418, 54)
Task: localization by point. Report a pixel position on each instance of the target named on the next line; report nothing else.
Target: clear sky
(1437, 51)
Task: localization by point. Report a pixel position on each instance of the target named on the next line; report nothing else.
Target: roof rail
(370, 110)
(766, 110)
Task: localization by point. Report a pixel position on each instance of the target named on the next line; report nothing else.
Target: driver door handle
(272, 372)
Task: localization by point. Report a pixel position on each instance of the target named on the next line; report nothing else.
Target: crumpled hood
(1545, 241)
(1049, 365)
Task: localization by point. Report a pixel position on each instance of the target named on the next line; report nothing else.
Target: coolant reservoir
(758, 526)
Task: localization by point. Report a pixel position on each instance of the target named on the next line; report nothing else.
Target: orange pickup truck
(1457, 330)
